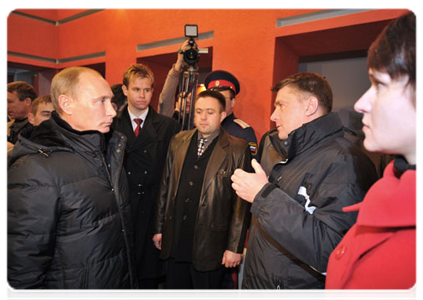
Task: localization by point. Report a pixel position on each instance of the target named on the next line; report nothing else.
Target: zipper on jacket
(132, 280)
(107, 169)
(43, 153)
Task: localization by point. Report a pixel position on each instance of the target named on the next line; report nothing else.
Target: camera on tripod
(191, 55)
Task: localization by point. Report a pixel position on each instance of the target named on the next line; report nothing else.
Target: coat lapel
(180, 156)
(126, 126)
(148, 132)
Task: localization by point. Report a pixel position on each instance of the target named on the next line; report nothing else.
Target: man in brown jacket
(200, 223)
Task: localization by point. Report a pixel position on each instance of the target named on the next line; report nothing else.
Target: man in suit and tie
(148, 134)
(200, 223)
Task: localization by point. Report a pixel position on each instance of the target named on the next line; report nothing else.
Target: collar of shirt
(142, 116)
(210, 138)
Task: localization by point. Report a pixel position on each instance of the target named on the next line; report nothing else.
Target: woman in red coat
(379, 251)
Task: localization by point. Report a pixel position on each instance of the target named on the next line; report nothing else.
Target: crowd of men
(105, 192)
(173, 211)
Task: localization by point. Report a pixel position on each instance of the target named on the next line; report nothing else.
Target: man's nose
(273, 117)
(110, 110)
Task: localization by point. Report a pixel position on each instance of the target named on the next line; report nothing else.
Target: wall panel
(245, 42)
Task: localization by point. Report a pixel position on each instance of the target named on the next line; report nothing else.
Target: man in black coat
(148, 134)
(200, 223)
(68, 208)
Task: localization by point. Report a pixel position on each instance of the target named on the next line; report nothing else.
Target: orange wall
(49, 14)
(244, 43)
(31, 37)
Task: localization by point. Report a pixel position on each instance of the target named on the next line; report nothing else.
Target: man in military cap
(229, 87)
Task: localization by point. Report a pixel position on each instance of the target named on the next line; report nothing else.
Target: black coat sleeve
(32, 217)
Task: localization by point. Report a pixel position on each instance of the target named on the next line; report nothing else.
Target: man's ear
(31, 118)
(222, 116)
(27, 101)
(125, 90)
(312, 106)
(66, 104)
(233, 102)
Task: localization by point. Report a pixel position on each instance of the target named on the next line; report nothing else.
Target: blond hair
(137, 71)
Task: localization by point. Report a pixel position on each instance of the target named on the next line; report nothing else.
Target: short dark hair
(214, 94)
(37, 101)
(23, 90)
(311, 83)
(222, 89)
(118, 96)
(394, 50)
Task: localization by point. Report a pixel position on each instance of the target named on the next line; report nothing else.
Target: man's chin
(104, 130)
(282, 136)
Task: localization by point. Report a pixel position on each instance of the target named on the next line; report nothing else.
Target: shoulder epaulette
(241, 123)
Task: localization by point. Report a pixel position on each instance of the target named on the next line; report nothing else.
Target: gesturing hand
(247, 185)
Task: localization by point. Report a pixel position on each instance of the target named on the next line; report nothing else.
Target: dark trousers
(182, 275)
(148, 289)
(230, 278)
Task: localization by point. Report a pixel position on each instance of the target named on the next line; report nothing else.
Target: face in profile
(17, 109)
(92, 109)
(289, 113)
(389, 115)
(230, 103)
(208, 115)
(43, 113)
(180, 103)
(139, 93)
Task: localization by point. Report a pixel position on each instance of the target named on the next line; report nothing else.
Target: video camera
(191, 55)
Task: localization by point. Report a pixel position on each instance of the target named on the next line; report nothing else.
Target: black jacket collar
(56, 134)
(308, 135)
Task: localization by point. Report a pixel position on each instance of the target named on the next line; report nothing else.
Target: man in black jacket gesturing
(68, 209)
(313, 171)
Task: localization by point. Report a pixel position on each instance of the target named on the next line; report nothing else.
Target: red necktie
(137, 129)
